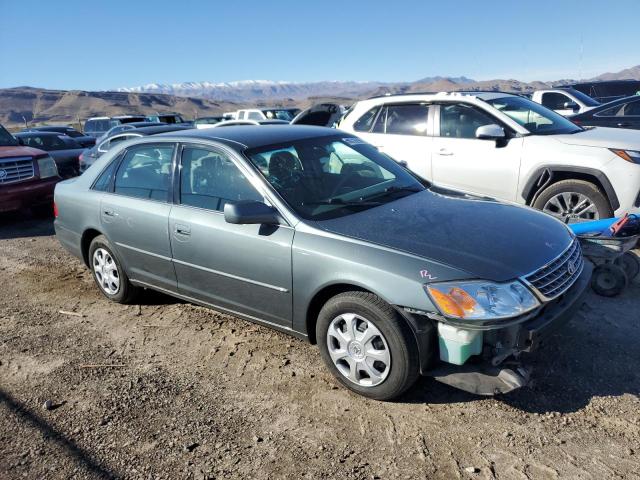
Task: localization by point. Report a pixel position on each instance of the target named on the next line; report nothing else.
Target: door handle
(109, 213)
(444, 152)
(624, 125)
(182, 229)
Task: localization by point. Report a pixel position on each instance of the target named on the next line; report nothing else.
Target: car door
(402, 131)
(463, 162)
(240, 268)
(135, 213)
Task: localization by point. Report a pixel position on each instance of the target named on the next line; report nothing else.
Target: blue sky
(98, 45)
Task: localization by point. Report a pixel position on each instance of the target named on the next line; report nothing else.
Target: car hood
(486, 238)
(20, 151)
(603, 137)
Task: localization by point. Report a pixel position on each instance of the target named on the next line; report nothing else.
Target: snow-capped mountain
(250, 90)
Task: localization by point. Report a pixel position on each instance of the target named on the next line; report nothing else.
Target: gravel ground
(165, 389)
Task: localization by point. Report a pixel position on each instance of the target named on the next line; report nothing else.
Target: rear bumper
(27, 194)
(499, 370)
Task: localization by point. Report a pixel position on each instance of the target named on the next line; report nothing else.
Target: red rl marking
(427, 275)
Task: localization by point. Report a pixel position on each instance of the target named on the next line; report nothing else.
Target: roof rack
(462, 92)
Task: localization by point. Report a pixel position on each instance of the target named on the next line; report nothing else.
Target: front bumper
(27, 194)
(499, 370)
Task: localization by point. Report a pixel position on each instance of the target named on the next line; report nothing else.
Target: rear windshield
(6, 139)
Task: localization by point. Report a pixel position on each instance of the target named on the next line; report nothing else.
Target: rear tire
(563, 200)
(377, 357)
(108, 273)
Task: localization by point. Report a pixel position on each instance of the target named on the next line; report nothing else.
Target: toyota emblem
(3, 174)
(571, 268)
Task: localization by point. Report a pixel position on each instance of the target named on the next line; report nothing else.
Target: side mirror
(20, 141)
(571, 106)
(250, 212)
(490, 132)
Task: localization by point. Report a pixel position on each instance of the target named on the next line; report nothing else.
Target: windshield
(538, 120)
(334, 176)
(584, 98)
(6, 139)
(286, 115)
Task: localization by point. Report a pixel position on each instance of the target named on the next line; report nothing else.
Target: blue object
(597, 226)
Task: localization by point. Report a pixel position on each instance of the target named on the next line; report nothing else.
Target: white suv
(507, 147)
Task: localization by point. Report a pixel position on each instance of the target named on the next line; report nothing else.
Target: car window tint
(554, 100)
(409, 119)
(145, 172)
(462, 121)
(365, 122)
(210, 179)
(632, 108)
(610, 112)
(52, 142)
(254, 116)
(378, 126)
(104, 180)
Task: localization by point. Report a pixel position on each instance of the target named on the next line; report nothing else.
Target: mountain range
(22, 105)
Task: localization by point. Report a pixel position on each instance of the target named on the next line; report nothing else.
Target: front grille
(556, 277)
(15, 169)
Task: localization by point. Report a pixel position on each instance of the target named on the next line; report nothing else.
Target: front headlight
(481, 300)
(47, 167)
(632, 156)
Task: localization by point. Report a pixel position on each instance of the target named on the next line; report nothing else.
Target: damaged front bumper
(498, 369)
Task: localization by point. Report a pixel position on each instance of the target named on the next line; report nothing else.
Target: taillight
(55, 210)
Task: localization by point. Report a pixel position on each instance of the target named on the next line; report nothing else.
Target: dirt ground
(192, 393)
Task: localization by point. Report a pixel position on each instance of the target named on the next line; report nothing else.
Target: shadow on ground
(32, 420)
(25, 224)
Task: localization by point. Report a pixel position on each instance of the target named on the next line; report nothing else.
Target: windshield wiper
(342, 203)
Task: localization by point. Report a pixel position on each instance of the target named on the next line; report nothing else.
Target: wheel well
(558, 176)
(318, 301)
(85, 242)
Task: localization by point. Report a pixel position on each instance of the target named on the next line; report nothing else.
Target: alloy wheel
(106, 271)
(358, 350)
(571, 207)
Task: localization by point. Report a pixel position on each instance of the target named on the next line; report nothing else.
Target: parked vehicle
(27, 176)
(64, 150)
(320, 115)
(169, 118)
(98, 126)
(232, 123)
(84, 140)
(565, 101)
(314, 232)
(286, 114)
(507, 147)
(128, 126)
(202, 122)
(609, 90)
(89, 156)
(622, 113)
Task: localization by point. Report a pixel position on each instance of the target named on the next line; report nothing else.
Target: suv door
(135, 213)
(239, 268)
(402, 131)
(463, 162)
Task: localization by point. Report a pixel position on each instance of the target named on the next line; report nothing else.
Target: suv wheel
(108, 273)
(367, 346)
(574, 201)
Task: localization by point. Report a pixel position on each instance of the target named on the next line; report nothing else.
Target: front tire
(108, 272)
(367, 346)
(574, 201)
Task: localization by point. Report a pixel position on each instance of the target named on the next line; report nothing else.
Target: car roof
(252, 136)
(39, 134)
(142, 124)
(49, 128)
(153, 130)
(483, 95)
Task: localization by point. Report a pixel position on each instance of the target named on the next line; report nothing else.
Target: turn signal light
(55, 210)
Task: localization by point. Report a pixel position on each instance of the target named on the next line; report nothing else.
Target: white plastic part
(457, 344)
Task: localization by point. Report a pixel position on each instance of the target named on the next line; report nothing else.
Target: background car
(84, 140)
(622, 113)
(63, 149)
(28, 176)
(286, 114)
(127, 126)
(565, 101)
(607, 90)
(208, 121)
(320, 115)
(98, 126)
(89, 156)
(169, 118)
(232, 123)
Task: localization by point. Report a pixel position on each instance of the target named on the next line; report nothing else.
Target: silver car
(314, 232)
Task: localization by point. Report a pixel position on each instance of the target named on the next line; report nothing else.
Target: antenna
(581, 56)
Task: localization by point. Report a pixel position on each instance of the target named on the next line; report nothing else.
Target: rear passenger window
(145, 172)
(210, 180)
(632, 108)
(365, 122)
(104, 180)
(409, 119)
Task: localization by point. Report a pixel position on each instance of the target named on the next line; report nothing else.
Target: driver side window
(462, 121)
